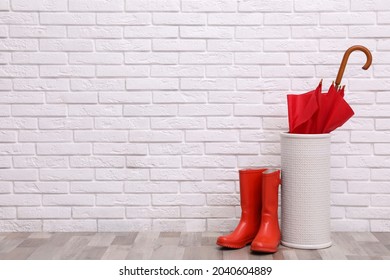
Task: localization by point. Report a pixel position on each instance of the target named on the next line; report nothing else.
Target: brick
(21, 97)
(179, 97)
(4, 5)
(375, 5)
(350, 173)
(262, 32)
(125, 97)
(380, 200)
(256, 161)
(155, 212)
(351, 149)
(319, 32)
(214, 32)
(234, 45)
(176, 174)
(179, 45)
(290, 19)
(5, 58)
(207, 187)
(123, 19)
(119, 149)
(121, 174)
(370, 136)
(95, 110)
(178, 123)
(209, 161)
(319, 6)
(151, 32)
(234, 97)
(95, 58)
(20, 199)
(135, 45)
(383, 17)
(44, 212)
(96, 5)
(232, 148)
(224, 225)
(380, 225)
(179, 19)
(151, 187)
(122, 199)
(94, 32)
(175, 149)
(38, 110)
(235, 19)
(207, 83)
(100, 136)
(22, 31)
(153, 5)
(40, 5)
(177, 71)
(220, 174)
(5, 187)
(232, 71)
(369, 187)
(63, 149)
(182, 199)
(287, 71)
(223, 199)
(98, 212)
(41, 84)
(212, 136)
(18, 18)
(40, 162)
(79, 45)
(17, 149)
(18, 45)
(69, 226)
(67, 18)
(368, 31)
(350, 225)
(205, 110)
(66, 174)
(39, 58)
(41, 187)
(122, 71)
(207, 212)
(350, 199)
(8, 136)
(380, 174)
(356, 18)
(235, 123)
(290, 45)
(150, 110)
(382, 71)
(132, 225)
(367, 213)
(152, 162)
(70, 98)
(152, 83)
(206, 58)
(67, 71)
(45, 136)
(151, 58)
(208, 6)
(100, 84)
(8, 213)
(20, 226)
(96, 187)
(96, 162)
(122, 123)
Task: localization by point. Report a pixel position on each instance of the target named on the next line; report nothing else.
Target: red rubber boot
(250, 195)
(268, 237)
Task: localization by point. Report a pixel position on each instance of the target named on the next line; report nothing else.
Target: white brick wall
(127, 115)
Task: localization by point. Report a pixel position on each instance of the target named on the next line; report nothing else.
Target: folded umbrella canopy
(315, 112)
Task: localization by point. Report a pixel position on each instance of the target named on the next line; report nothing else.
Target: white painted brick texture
(128, 115)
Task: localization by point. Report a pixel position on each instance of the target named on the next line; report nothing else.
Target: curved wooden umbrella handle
(345, 60)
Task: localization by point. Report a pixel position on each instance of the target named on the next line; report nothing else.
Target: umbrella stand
(305, 161)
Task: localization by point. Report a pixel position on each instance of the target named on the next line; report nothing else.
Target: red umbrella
(315, 112)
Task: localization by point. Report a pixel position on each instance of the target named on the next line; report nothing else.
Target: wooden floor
(176, 245)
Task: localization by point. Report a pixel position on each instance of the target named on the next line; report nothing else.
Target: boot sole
(265, 250)
(234, 246)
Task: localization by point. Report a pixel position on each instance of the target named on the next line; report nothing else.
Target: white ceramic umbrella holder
(305, 191)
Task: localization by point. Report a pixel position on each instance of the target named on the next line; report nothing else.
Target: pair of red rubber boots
(259, 224)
